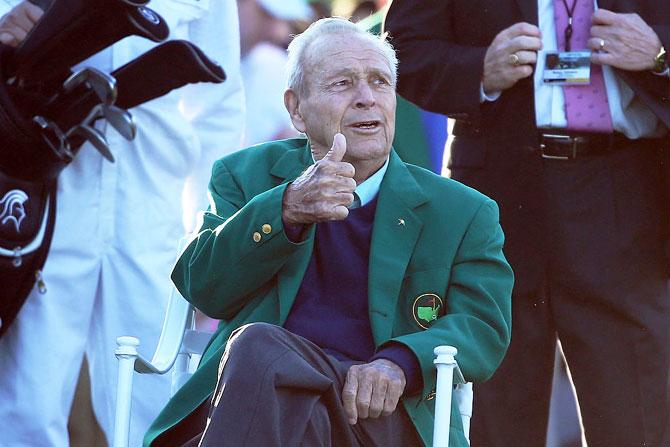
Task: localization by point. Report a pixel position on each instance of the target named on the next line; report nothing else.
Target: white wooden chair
(180, 346)
(450, 384)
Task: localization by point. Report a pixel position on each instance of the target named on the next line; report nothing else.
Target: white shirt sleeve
(483, 97)
(216, 111)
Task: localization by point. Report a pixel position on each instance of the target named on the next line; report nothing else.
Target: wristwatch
(660, 62)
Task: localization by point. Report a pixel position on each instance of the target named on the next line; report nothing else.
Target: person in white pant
(115, 240)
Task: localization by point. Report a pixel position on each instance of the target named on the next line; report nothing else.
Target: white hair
(331, 26)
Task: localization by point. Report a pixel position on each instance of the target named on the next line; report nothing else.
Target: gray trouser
(278, 389)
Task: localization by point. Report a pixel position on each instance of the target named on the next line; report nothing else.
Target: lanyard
(570, 10)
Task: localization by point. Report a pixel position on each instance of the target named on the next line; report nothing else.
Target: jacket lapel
(289, 278)
(396, 230)
(292, 163)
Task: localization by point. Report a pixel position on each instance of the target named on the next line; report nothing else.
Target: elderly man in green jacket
(336, 269)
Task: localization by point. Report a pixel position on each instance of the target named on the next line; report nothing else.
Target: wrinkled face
(347, 88)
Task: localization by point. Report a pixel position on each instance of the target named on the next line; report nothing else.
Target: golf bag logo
(11, 208)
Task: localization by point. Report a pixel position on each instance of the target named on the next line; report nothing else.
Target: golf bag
(47, 113)
(27, 205)
(27, 217)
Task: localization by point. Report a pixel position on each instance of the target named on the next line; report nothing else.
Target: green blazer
(431, 235)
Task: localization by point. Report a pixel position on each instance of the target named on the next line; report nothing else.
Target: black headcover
(70, 31)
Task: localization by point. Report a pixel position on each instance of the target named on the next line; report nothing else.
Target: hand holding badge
(624, 41)
(511, 57)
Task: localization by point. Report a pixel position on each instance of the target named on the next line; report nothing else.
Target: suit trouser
(276, 388)
(606, 298)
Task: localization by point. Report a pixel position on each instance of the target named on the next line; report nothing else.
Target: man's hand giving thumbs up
(324, 191)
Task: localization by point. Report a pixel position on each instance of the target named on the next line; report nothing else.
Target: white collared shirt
(630, 115)
(367, 190)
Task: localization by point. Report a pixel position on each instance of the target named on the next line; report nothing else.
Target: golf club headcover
(166, 67)
(72, 30)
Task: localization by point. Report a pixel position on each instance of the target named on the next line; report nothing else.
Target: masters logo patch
(426, 309)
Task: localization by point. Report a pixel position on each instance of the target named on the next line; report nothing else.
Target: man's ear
(292, 105)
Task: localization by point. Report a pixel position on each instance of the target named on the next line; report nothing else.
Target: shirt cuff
(483, 97)
(665, 73)
(294, 233)
(402, 356)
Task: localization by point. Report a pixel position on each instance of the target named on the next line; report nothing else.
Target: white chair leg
(445, 363)
(126, 353)
(463, 394)
(180, 371)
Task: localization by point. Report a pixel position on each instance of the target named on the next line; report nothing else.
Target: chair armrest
(195, 342)
(172, 334)
(464, 396)
(448, 374)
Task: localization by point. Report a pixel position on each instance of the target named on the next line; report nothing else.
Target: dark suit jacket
(441, 46)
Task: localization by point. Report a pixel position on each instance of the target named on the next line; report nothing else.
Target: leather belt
(565, 146)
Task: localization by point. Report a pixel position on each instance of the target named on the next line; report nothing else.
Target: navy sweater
(331, 308)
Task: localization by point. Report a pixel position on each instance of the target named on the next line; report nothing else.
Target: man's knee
(251, 348)
(253, 337)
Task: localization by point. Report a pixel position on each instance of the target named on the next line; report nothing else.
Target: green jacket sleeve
(478, 317)
(238, 250)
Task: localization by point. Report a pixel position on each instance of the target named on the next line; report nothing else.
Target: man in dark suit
(577, 171)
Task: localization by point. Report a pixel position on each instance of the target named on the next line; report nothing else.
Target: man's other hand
(324, 191)
(624, 41)
(17, 23)
(511, 57)
(372, 390)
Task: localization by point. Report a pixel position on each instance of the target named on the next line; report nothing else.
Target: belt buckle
(566, 140)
